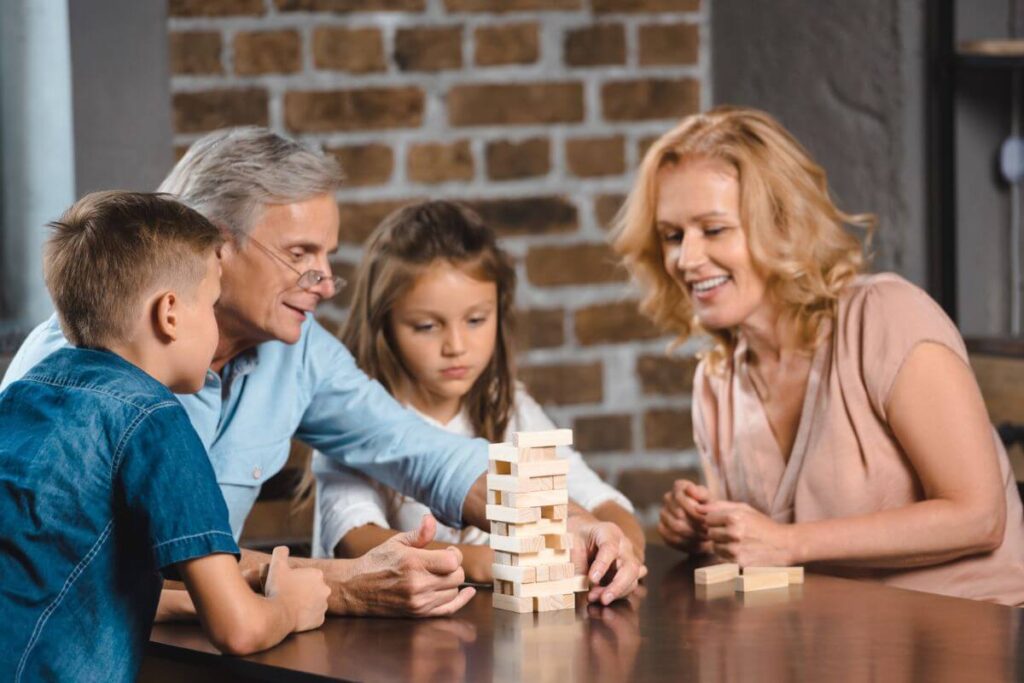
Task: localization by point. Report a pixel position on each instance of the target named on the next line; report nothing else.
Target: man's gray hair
(230, 175)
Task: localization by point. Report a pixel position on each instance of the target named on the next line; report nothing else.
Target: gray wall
(847, 79)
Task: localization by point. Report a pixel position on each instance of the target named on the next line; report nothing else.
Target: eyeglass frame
(312, 277)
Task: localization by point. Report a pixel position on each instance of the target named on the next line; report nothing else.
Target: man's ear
(165, 317)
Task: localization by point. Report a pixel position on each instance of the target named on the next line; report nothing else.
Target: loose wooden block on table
(795, 574)
(759, 582)
(553, 437)
(716, 573)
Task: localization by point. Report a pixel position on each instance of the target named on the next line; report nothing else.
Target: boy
(103, 480)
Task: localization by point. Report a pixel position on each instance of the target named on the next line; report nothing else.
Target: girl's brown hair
(797, 235)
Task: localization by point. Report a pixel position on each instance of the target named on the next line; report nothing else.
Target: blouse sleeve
(585, 486)
(345, 501)
(885, 321)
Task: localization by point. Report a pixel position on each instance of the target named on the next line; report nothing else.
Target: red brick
(428, 49)
(603, 433)
(363, 109)
(355, 50)
(198, 112)
(498, 6)
(346, 6)
(507, 44)
(358, 219)
(195, 52)
(646, 5)
(651, 98)
(591, 157)
(646, 486)
(575, 264)
(439, 162)
(528, 215)
(668, 44)
(510, 104)
(508, 160)
(644, 144)
(564, 384)
(370, 164)
(540, 328)
(598, 45)
(612, 323)
(214, 8)
(606, 206)
(265, 52)
(662, 375)
(668, 429)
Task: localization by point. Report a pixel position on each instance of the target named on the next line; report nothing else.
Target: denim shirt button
(257, 472)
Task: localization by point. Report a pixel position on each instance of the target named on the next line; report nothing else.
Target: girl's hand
(741, 534)
(681, 523)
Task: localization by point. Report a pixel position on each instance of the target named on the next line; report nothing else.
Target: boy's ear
(165, 317)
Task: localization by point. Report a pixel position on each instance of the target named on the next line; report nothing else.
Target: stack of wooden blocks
(527, 505)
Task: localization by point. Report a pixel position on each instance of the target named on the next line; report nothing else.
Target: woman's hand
(681, 524)
(740, 534)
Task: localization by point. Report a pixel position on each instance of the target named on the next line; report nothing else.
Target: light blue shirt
(313, 391)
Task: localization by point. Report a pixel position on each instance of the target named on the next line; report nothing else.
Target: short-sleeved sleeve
(345, 501)
(170, 491)
(585, 486)
(884, 320)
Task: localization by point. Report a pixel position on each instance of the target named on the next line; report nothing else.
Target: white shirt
(346, 500)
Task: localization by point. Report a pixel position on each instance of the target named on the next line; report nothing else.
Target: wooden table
(829, 629)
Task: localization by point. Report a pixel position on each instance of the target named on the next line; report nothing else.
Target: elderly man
(278, 374)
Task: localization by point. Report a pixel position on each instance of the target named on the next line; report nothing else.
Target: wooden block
(546, 556)
(716, 573)
(512, 603)
(506, 482)
(501, 513)
(552, 437)
(564, 570)
(796, 574)
(541, 528)
(760, 582)
(558, 482)
(558, 541)
(543, 572)
(515, 574)
(503, 558)
(499, 528)
(535, 499)
(505, 452)
(560, 587)
(499, 467)
(554, 511)
(525, 544)
(494, 498)
(503, 587)
(553, 603)
(541, 468)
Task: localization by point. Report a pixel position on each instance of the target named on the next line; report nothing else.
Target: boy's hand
(302, 591)
(401, 577)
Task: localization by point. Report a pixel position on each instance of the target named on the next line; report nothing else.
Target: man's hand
(602, 551)
(401, 578)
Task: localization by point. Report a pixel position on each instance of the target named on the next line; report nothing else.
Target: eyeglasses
(307, 280)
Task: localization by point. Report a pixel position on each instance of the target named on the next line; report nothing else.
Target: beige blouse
(845, 460)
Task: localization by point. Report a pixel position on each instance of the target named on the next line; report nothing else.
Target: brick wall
(535, 111)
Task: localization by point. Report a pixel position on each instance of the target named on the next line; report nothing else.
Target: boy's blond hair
(111, 249)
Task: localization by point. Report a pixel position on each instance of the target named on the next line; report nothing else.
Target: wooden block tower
(527, 505)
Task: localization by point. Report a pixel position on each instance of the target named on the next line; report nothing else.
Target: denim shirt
(103, 482)
(247, 414)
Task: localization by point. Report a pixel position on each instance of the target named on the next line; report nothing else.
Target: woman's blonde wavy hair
(796, 235)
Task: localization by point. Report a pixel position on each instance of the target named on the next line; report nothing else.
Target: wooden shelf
(990, 54)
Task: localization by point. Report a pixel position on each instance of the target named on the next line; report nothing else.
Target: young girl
(431, 320)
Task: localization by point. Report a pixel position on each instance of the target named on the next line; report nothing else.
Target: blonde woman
(836, 416)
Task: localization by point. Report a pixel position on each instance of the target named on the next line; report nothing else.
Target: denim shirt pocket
(248, 464)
